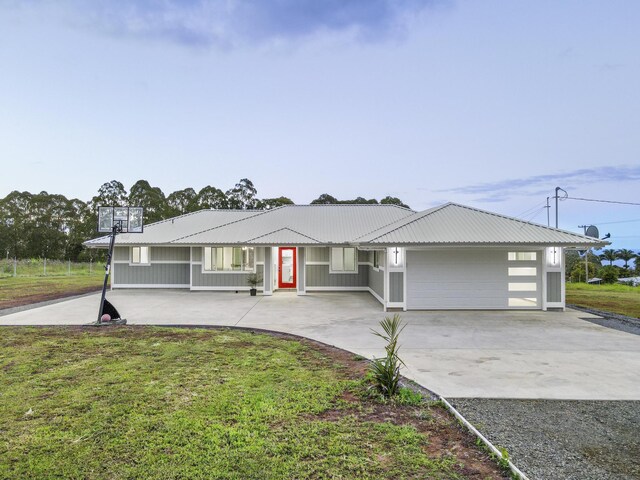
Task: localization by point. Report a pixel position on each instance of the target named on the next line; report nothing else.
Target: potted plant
(253, 280)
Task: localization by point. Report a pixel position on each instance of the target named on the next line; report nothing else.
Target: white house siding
(466, 278)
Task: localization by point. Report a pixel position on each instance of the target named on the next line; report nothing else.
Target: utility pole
(556, 197)
(548, 207)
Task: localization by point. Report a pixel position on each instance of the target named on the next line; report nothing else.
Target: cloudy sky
(491, 104)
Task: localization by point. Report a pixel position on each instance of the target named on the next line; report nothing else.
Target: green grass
(175, 403)
(16, 291)
(34, 267)
(620, 299)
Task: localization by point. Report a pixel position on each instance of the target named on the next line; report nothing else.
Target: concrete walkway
(551, 355)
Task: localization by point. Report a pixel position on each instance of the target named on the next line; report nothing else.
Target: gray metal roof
(363, 225)
(166, 231)
(453, 224)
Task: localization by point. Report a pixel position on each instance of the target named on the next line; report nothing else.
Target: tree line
(576, 265)
(44, 225)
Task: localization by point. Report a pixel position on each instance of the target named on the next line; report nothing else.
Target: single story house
(447, 257)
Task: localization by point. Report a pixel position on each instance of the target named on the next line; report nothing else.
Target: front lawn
(150, 402)
(16, 291)
(620, 299)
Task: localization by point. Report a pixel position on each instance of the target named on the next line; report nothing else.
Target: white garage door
(472, 279)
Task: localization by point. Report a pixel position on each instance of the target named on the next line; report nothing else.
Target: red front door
(287, 267)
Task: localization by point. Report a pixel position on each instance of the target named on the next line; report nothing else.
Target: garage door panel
(459, 279)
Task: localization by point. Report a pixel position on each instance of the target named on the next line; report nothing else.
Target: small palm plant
(386, 370)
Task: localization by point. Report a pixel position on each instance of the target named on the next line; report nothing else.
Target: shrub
(609, 274)
(385, 371)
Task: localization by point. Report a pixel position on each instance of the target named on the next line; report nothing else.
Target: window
(522, 256)
(229, 259)
(523, 302)
(140, 255)
(523, 287)
(344, 259)
(377, 258)
(523, 271)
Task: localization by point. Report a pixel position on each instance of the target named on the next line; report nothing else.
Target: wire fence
(40, 267)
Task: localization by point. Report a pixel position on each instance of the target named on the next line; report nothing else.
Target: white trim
(395, 305)
(348, 272)
(301, 289)
(375, 295)
(337, 289)
(169, 262)
(190, 266)
(225, 289)
(148, 263)
(318, 263)
(149, 285)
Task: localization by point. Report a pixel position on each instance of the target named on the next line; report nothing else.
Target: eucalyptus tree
(211, 197)
(325, 199)
(182, 201)
(152, 199)
(243, 195)
(393, 201)
(269, 203)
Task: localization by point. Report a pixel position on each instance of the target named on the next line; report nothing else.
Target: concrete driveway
(551, 355)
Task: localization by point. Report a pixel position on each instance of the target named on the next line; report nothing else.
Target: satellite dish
(592, 231)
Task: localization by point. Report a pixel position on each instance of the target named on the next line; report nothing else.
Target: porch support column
(268, 272)
(301, 287)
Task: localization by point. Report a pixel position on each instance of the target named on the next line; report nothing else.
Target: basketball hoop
(114, 220)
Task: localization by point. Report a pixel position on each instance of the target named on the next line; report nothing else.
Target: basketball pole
(107, 269)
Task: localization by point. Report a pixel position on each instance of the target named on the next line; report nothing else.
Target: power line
(619, 221)
(602, 201)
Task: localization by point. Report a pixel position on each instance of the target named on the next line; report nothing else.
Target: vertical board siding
(301, 268)
(267, 277)
(224, 279)
(169, 254)
(396, 287)
(364, 256)
(376, 281)
(318, 254)
(121, 254)
(260, 254)
(196, 254)
(154, 274)
(554, 287)
(319, 276)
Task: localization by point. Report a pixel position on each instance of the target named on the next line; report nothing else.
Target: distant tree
(14, 221)
(360, 201)
(609, 255)
(269, 203)
(182, 201)
(609, 274)
(626, 256)
(110, 193)
(243, 195)
(393, 201)
(150, 198)
(578, 273)
(211, 197)
(325, 199)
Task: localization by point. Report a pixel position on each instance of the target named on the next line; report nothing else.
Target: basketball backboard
(127, 219)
